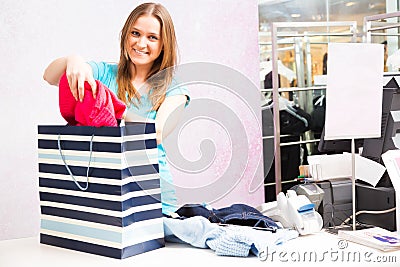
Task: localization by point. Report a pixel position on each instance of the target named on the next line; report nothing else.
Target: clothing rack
(275, 34)
(370, 30)
(387, 22)
(294, 89)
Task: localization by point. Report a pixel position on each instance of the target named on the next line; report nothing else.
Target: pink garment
(104, 110)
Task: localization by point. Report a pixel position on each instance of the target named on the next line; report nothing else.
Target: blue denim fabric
(236, 214)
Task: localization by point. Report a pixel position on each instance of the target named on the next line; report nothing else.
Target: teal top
(106, 73)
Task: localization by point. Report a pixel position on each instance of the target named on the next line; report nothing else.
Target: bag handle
(68, 169)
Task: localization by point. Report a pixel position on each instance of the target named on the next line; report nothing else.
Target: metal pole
(353, 181)
(275, 99)
(300, 76)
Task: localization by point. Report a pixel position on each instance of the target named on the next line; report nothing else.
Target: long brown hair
(160, 75)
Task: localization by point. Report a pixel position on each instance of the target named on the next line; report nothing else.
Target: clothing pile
(238, 230)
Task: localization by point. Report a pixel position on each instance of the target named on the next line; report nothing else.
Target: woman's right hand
(78, 72)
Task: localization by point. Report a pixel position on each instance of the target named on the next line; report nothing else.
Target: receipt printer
(336, 205)
(312, 191)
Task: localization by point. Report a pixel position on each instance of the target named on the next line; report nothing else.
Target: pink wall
(221, 132)
(214, 31)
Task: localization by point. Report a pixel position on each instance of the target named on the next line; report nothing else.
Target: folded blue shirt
(232, 240)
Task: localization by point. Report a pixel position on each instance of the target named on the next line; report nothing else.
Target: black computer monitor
(381, 197)
(373, 148)
(337, 146)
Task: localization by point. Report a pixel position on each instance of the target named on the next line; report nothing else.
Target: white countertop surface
(317, 249)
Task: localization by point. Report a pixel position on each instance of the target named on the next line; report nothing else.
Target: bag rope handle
(69, 170)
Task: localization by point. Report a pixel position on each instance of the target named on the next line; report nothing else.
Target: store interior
(311, 185)
(297, 36)
(303, 63)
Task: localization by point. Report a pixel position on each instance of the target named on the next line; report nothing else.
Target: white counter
(317, 249)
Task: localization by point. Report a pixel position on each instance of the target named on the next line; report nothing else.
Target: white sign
(354, 91)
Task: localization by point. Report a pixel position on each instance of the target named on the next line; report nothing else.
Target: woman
(143, 79)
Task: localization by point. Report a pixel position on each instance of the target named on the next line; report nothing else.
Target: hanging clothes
(394, 60)
(293, 119)
(266, 67)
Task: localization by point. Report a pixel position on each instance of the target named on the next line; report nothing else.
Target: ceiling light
(295, 15)
(350, 3)
(272, 2)
(316, 17)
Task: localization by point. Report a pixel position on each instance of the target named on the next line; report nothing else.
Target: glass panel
(317, 10)
(290, 10)
(343, 10)
(303, 52)
(313, 11)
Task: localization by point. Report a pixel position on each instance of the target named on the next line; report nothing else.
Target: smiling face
(144, 43)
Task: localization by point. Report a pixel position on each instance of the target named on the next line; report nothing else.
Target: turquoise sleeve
(98, 69)
(106, 73)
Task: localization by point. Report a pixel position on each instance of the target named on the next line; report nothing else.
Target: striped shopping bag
(100, 189)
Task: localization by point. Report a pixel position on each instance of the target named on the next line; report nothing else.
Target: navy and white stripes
(119, 215)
